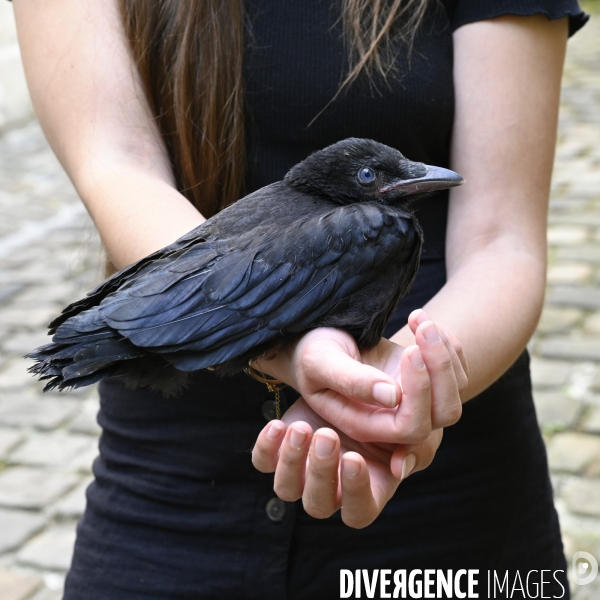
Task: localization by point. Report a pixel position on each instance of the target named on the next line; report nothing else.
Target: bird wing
(129, 273)
(248, 213)
(219, 299)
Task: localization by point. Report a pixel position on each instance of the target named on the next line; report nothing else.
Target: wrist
(279, 365)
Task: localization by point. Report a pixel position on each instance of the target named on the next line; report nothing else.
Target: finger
(359, 507)
(453, 344)
(326, 365)
(417, 317)
(408, 459)
(420, 316)
(414, 412)
(446, 405)
(459, 372)
(266, 450)
(321, 495)
(291, 467)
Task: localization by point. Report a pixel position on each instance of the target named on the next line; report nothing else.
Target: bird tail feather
(65, 364)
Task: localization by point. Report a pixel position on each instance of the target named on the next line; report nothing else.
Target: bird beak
(435, 178)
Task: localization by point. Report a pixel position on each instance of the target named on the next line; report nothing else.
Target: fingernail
(324, 445)
(351, 467)
(431, 334)
(384, 394)
(420, 316)
(408, 465)
(297, 438)
(416, 359)
(274, 430)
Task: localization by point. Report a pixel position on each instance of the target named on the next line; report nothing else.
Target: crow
(335, 244)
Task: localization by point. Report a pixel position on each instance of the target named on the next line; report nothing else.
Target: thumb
(329, 364)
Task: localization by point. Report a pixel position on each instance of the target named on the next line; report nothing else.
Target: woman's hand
(387, 394)
(330, 471)
(341, 469)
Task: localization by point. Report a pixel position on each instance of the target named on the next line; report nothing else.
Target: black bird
(334, 244)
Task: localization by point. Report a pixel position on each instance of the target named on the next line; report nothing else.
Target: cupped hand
(357, 464)
(331, 471)
(387, 394)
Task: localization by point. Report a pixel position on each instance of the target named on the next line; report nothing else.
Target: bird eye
(366, 175)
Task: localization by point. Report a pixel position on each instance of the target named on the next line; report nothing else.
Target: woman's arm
(507, 76)
(91, 105)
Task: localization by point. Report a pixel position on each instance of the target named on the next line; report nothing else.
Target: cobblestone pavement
(50, 255)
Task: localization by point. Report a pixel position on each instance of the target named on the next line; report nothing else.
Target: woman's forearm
(135, 211)
(91, 105)
(507, 74)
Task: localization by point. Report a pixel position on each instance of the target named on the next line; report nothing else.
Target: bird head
(360, 170)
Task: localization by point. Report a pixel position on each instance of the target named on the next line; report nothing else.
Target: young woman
(163, 112)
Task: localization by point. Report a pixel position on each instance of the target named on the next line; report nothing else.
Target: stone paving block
(592, 324)
(573, 452)
(570, 348)
(85, 421)
(591, 423)
(582, 379)
(570, 272)
(568, 204)
(9, 438)
(54, 581)
(579, 533)
(587, 253)
(585, 186)
(587, 592)
(582, 496)
(15, 585)
(558, 319)
(56, 449)
(8, 290)
(25, 342)
(579, 296)
(16, 526)
(32, 318)
(587, 219)
(14, 375)
(552, 373)
(15, 106)
(53, 549)
(596, 381)
(24, 487)
(555, 409)
(41, 413)
(567, 235)
(84, 460)
(73, 504)
(61, 292)
(32, 275)
(46, 594)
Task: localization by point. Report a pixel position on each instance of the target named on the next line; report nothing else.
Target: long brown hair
(176, 44)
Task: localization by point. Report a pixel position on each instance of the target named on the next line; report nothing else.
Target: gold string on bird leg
(273, 385)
